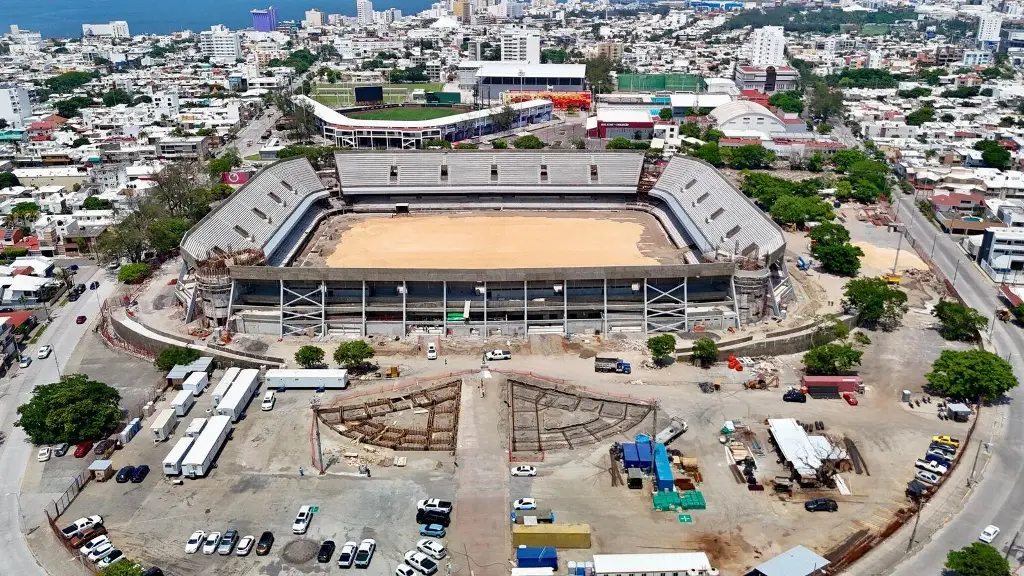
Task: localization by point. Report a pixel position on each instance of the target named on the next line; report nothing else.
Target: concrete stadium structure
(730, 269)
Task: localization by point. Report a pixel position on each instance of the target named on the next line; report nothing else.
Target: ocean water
(64, 18)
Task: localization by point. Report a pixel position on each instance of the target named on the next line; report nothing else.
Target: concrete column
(231, 302)
(526, 309)
(605, 318)
(405, 290)
(686, 304)
(565, 307)
(645, 306)
(735, 301)
(444, 307)
(281, 307)
(485, 310)
(363, 319)
(323, 309)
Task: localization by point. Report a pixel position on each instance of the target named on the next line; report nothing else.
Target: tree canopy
(710, 153)
(123, 568)
(528, 142)
(599, 74)
(971, 374)
(877, 303)
(799, 210)
(310, 356)
(977, 559)
(831, 359)
(790, 101)
(705, 351)
(71, 410)
(353, 353)
(662, 345)
(751, 156)
(133, 273)
(68, 81)
(830, 244)
(174, 355)
(993, 154)
(959, 322)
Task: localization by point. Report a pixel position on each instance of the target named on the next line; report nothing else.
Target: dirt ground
(489, 241)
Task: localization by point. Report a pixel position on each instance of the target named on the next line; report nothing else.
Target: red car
(850, 398)
(80, 320)
(82, 449)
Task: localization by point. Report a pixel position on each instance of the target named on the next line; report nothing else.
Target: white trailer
(183, 402)
(172, 464)
(195, 427)
(198, 460)
(241, 392)
(224, 384)
(333, 379)
(164, 424)
(196, 382)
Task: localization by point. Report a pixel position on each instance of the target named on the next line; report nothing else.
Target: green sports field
(406, 113)
(338, 95)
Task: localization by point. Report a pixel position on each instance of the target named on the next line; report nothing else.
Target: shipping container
(630, 456)
(326, 379)
(533, 572)
(196, 383)
(206, 447)
(172, 463)
(233, 403)
(183, 402)
(843, 383)
(224, 384)
(195, 427)
(553, 535)
(534, 557)
(662, 469)
(164, 424)
(644, 457)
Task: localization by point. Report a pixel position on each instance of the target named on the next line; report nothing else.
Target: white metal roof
(306, 373)
(207, 438)
(805, 452)
(797, 561)
(331, 116)
(650, 563)
(623, 115)
(516, 69)
(726, 112)
(690, 99)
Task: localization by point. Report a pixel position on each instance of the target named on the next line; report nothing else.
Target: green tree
(705, 352)
(437, 143)
(816, 162)
(68, 81)
(800, 210)
(661, 346)
(599, 74)
(223, 163)
(993, 155)
(959, 322)
(506, 118)
(353, 353)
(825, 102)
(689, 129)
(791, 101)
(528, 142)
(831, 359)
(619, 143)
(174, 355)
(665, 114)
(977, 559)
(123, 568)
(80, 141)
(841, 259)
(133, 273)
(877, 303)
(829, 234)
(466, 146)
(712, 135)
(116, 96)
(164, 234)
(8, 179)
(971, 374)
(94, 203)
(710, 153)
(920, 116)
(71, 410)
(310, 356)
(843, 159)
(751, 156)
(499, 144)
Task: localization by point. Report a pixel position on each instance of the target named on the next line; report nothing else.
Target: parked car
(938, 456)
(365, 552)
(435, 505)
(76, 527)
(498, 355)
(404, 570)
(432, 530)
(431, 352)
(115, 555)
(245, 545)
(525, 504)
(947, 440)
(524, 470)
(26, 361)
(113, 265)
(433, 517)
(94, 285)
(100, 552)
(94, 543)
(850, 398)
(268, 401)
(347, 555)
(821, 505)
(931, 466)
(794, 396)
(125, 474)
(73, 297)
(153, 571)
(80, 320)
(83, 448)
(44, 454)
(431, 548)
(102, 446)
(60, 449)
(989, 534)
(227, 542)
(212, 539)
(326, 551)
(943, 447)
(265, 544)
(302, 519)
(928, 477)
(194, 542)
(86, 535)
(44, 352)
(421, 562)
(140, 474)
(80, 288)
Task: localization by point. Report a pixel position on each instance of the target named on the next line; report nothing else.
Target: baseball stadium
(484, 242)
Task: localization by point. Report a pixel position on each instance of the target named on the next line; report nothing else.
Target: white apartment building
(314, 19)
(166, 103)
(221, 43)
(1001, 254)
(767, 46)
(15, 106)
(520, 45)
(364, 12)
(989, 26)
(112, 29)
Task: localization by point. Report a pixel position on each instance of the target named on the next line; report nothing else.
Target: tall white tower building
(364, 12)
(768, 46)
(989, 26)
(520, 45)
(15, 106)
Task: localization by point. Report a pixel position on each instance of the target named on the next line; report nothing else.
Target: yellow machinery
(892, 278)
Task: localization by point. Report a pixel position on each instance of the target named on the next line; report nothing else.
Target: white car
(81, 524)
(212, 540)
(931, 466)
(245, 545)
(925, 476)
(194, 542)
(365, 552)
(25, 361)
(421, 562)
(525, 504)
(268, 401)
(44, 454)
(431, 548)
(115, 555)
(347, 555)
(431, 352)
(302, 519)
(404, 570)
(435, 505)
(100, 552)
(989, 534)
(498, 355)
(44, 352)
(92, 544)
(524, 470)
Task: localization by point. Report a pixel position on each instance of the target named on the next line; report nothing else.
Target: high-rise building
(264, 19)
(520, 45)
(364, 12)
(15, 106)
(462, 10)
(989, 26)
(314, 19)
(610, 50)
(113, 29)
(768, 46)
(220, 43)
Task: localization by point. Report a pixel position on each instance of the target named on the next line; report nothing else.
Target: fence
(576, 387)
(61, 504)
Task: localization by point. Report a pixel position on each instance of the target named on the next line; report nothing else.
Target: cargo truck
(612, 365)
(183, 402)
(163, 426)
(196, 383)
(224, 384)
(675, 429)
(205, 448)
(320, 379)
(233, 403)
(172, 463)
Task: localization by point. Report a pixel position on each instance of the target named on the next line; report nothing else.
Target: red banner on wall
(234, 178)
(561, 100)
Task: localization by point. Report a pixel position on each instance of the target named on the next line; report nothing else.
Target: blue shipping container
(530, 557)
(643, 450)
(662, 469)
(630, 456)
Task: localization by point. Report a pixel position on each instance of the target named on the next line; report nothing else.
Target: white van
(268, 401)
(431, 352)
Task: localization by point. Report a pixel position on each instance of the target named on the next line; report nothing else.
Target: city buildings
(768, 46)
(989, 26)
(766, 80)
(520, 45)
(112, 29)
(264, 19)
(610, 50)
(15, 106)
(221, 44)
(364, 12)
(314, 19)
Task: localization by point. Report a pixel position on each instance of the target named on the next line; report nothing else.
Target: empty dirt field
(508, 240)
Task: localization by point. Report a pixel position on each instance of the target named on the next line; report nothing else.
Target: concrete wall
(787, 341)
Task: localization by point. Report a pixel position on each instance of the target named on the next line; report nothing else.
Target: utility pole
(917, 520)
(977, 453)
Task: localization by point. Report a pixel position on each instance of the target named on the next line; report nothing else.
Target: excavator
(762, 382)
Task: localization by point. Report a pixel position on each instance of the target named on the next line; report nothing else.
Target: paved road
(63, 334)
(999, 498)
(253, 130)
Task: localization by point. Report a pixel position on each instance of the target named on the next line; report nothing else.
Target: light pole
(955, 272)
(53, 352)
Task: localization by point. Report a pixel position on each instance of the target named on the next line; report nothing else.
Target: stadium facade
(236, 268)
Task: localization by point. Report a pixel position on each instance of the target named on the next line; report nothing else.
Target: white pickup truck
(498, 355)
(931, 466)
